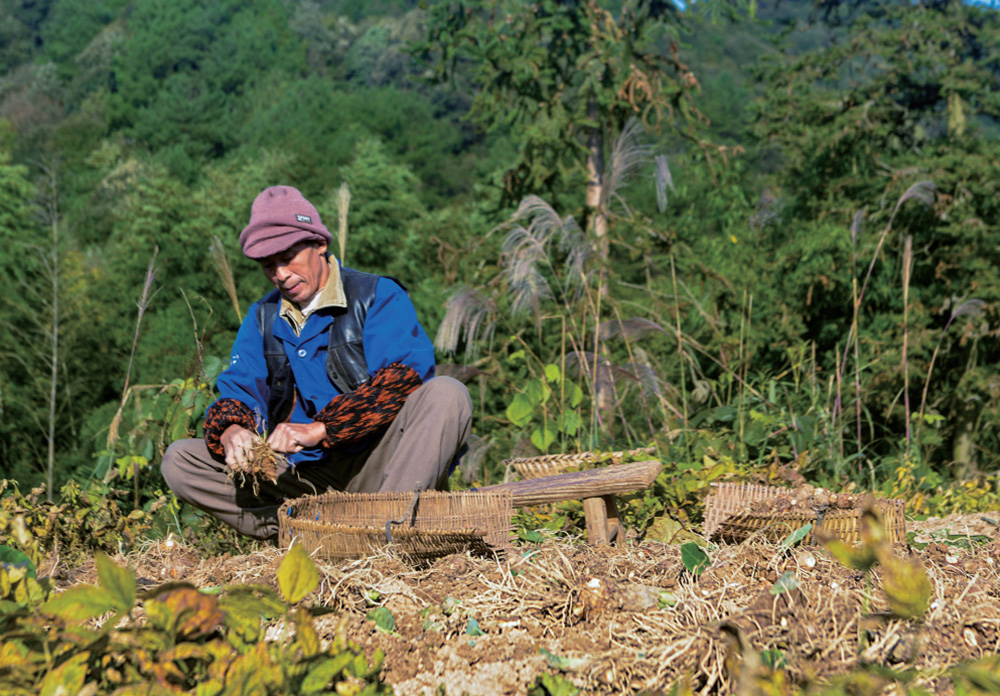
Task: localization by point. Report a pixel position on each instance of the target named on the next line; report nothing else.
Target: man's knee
(179, 464)
(449, 394)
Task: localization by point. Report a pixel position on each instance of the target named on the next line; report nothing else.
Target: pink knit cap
(280, 218)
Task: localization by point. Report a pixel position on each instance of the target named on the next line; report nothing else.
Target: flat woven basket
(551, 464)
(726, 519)
(339, 525)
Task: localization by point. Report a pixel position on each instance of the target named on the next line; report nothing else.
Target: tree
(182, 73)
(913, 95)
(36, 352)
(573, 85)
(562, 78)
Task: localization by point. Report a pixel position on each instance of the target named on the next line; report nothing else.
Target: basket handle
(401, 520)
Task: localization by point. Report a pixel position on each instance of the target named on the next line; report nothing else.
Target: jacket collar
(332, 295)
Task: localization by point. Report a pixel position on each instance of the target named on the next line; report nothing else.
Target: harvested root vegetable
(261, 462)
(807, 499)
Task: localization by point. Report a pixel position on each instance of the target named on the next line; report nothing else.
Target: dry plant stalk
(262, 462)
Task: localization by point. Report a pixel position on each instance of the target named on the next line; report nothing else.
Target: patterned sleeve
(219, 416)
(370, 408)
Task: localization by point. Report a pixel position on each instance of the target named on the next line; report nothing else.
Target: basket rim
(335, 528)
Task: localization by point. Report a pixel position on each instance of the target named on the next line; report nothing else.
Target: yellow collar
(332, 295)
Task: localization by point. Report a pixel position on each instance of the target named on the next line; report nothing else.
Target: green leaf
(542, 437)
(573, 394)
(118, 582)
(11, 559)
(553, 685)
(694, 558)
(67, 678)
(154, 689)
(552, 373)
(321, 675)
(519, 411)
(531, 535)
(245, 676)
(244, 609)
(537, 391)
(472, 628)
(773, 659)
(906, 586)
(383, 618)
(305, 633)
(564, 664)
(724, 414)
(796, 536)
(666, 600)
(569, 423)
(80, 603)
(297, 575)
(787, 582)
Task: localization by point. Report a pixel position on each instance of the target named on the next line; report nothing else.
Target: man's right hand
(237, 441)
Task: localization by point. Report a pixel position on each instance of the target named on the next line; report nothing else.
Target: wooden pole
(597, 520)
(616, 530)
(581, 485)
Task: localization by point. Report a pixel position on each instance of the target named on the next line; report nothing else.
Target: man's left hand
(295, 437)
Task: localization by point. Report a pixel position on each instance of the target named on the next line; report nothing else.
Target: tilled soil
(621, 620)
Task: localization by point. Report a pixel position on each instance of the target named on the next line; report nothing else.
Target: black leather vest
(345, 353)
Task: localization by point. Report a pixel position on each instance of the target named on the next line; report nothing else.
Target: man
(335, 366)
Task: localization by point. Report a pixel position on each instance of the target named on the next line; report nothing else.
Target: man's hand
(237, 442)
(295, 437)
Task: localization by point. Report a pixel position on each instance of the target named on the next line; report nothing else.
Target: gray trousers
(413, 454)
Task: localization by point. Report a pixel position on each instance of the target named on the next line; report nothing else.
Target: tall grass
(225, 271)
(343, 204)
(551, 268)
(144, 299)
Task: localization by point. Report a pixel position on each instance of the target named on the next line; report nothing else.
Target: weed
(89, 639)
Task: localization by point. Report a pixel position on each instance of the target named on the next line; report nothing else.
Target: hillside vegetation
(755, 236)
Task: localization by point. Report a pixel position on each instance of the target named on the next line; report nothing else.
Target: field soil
(627, 619)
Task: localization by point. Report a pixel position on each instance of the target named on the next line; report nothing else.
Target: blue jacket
(392, 334)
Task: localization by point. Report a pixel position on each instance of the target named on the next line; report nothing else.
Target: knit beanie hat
(280, 218)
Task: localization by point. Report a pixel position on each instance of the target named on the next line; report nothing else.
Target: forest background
(758, 236)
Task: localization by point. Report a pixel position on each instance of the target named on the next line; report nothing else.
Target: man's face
(299, 272)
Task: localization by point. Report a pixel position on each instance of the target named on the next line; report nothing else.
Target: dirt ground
(622, 620)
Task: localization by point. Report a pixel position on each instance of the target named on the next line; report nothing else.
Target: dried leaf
(197, 614)
(906, 586)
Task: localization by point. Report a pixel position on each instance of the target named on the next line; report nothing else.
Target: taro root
(261, 462)
(804, 499)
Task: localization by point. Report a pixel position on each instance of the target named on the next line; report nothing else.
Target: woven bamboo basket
(725, 519)
(339, 525)
(551, 464)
